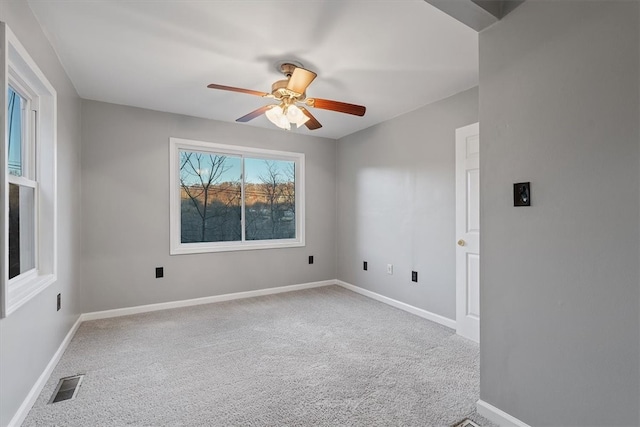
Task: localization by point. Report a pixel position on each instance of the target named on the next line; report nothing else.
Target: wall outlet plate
(414, 276)
(389, 268)
(58, 302)
(310, 259)
(159, 272)
(365, 265)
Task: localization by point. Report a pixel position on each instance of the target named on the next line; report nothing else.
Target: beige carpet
(319, 357)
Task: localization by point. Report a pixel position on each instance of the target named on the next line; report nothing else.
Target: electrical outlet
(58, 302)
(365, 266)
(159, 272)
(414, 276)
(389, 268)
(310, 259)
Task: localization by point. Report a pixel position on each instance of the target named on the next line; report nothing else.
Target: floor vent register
(67, 389)
(466, 423)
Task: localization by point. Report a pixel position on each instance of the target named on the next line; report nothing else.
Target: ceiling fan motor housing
(279, 91)
(288, 69)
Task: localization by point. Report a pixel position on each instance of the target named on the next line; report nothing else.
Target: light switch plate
(522, 194)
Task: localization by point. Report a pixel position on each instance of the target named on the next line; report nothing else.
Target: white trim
(498, 416)
(199, 301)
(37, 388)
(206, 247)
(237, 150)
(4, 188)
(32, 285)
(449, 323)
(17, 65)
(106, 314)
(22, 181)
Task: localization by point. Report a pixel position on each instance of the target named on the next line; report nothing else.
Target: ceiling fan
(289, 92)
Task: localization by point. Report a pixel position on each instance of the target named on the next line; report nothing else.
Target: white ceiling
(392, 56)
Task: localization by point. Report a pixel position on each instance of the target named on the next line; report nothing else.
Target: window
(226, 198)
(28, 178)
(22, 186)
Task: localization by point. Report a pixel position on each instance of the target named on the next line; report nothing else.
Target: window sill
(24, 289)
(198, 248)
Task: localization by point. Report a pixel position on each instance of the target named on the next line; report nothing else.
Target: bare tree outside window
(210, 197)
(270, 199)
(289, 190)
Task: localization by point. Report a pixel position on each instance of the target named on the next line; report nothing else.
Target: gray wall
(125, 201)
(30, 336)
(396, 204)
(560, 284)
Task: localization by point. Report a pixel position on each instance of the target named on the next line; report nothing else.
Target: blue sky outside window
(15, 126)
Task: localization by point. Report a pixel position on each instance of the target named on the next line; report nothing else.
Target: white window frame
(178, 248)
(20, 71)
(28, 177)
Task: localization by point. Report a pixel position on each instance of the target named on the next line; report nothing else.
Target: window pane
(21, 230)
(15, 124)
(270, 200)
(210, 197)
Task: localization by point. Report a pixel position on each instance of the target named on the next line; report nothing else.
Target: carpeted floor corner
(318, 357)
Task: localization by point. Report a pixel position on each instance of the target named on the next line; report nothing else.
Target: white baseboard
(449, 323)
(498, 416)
(199, 301)
(31, 398)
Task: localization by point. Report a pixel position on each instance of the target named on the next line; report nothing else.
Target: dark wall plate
(522, 194)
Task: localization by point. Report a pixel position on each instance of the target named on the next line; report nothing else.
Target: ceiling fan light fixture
(295, 115)
(277, 117)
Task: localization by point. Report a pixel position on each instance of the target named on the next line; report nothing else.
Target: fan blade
(342, 107)
(237, 89)
(252, 115)
(300, 80)
(312, 123)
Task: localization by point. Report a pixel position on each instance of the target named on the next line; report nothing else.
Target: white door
(468, 232)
